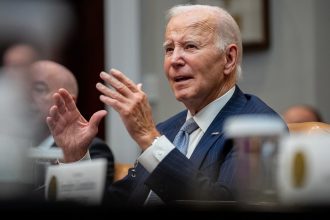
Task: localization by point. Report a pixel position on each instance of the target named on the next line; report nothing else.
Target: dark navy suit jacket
(207, 175)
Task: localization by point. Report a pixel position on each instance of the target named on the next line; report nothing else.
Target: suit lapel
(215, 130)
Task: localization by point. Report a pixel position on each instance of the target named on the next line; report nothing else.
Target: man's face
(44, 85)
(193, 64)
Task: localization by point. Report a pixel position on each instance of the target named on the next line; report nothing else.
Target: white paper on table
(81, 182)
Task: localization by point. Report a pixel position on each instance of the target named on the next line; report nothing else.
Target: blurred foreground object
(81, 182)
(303, 173)
(256, 139)
(15, 139)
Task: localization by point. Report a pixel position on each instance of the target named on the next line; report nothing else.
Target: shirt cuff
(85, 158)
(154, 154)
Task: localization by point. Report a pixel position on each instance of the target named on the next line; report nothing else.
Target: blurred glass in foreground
(15, 138)
(256, 139)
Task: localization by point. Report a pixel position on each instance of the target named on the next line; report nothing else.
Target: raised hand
(132, 104)
(71, 131)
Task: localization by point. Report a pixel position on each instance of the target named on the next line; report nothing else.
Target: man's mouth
(181, 78)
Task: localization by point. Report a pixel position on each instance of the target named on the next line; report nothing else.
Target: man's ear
(231, 59)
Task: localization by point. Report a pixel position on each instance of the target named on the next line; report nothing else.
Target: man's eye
(168, 49)
(39, 89)
(191, 46)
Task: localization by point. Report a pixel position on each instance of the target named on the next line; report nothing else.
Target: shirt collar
(205, 117)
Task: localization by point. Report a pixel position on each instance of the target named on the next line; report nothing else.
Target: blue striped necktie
(181, 142)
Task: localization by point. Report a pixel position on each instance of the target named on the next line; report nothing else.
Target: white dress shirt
(161, 147)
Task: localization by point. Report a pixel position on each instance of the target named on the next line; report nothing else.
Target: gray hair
(228, 30)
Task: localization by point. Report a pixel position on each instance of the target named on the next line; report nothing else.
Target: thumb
(96, 119)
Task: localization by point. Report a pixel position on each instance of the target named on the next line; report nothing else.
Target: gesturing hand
(71, 131)
(132, 104)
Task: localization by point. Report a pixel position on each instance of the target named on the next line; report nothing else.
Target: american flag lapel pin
(215, 133)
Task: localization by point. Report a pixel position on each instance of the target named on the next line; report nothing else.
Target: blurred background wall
(128, 34)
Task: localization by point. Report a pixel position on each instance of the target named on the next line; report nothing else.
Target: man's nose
(177, 58)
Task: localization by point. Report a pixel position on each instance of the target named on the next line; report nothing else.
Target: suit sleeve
(99, 149)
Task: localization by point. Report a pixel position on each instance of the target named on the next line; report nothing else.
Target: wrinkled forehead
(196, 22)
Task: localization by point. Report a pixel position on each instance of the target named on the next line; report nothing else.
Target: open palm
(71, 131)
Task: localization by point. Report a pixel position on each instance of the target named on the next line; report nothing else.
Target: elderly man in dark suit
(203, 53)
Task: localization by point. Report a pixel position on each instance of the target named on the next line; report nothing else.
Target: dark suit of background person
(46, 78)
(202, 67)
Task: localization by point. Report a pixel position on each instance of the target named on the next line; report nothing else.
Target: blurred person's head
(16, 60)
(301, 113)
(20, 55)
(203, 50)
(46, 78)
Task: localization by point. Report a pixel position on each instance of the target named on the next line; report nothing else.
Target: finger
(69, 102)
(54, 113)
(59, 102)
(124, 79)
(55, 127)
(116, 84)
(96, 119)
(111, 102)
(110, 93)
(53, 120)
(51, 124)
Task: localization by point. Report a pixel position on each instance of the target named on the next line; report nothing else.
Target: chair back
(309, 127)
(121, 170)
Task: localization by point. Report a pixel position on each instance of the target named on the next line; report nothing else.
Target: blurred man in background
(46, 78)
(302, 113)
(16, 60)
(20, 55)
